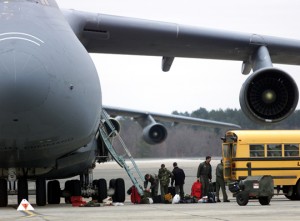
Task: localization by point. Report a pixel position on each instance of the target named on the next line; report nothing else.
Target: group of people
(204, 175)
(177, 176)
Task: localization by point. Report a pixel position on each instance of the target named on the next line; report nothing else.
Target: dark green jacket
(219, 171)
(153, 180)
(204, 169)
(164, 176)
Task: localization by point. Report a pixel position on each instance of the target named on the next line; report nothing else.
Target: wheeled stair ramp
(110, 133)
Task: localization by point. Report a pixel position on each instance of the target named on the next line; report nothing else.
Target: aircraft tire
(95, 184)
(41, 192)
(68, 190)
(53, 192)
(102, 190)
(76, 188)
(3, 193)
(119, 190)
(22, 189)
(112, 185)
(242, 198)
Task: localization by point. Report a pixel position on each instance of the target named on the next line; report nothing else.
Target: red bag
(135, 196)
(197, 189)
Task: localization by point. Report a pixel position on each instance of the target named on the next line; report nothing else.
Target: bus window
(234, 150)
(226, 151)
(274, 150)
(291, 150)
(257, 150)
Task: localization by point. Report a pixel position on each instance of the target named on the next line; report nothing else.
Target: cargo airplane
(50, 96)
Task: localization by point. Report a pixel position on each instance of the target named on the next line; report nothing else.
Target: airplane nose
(24, 81)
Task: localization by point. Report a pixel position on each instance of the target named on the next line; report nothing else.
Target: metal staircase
(120, 159)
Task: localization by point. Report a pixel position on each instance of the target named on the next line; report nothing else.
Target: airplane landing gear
(3, 193)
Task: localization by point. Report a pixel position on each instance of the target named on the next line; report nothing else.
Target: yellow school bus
(264, 152)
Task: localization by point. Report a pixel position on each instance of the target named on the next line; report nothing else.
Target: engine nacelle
(115, 124)
(269, 95)
(155, 133)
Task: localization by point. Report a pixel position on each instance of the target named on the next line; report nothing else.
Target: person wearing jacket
(178, 177)
(153, 180)
(164, 176)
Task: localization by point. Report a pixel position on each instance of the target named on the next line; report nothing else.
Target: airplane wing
(155, 133)
(101, 33)
(269, 95)
(175, 119)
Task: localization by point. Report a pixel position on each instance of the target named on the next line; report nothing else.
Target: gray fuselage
(50, 96)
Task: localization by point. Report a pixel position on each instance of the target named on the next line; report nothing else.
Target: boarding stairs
(120, 159)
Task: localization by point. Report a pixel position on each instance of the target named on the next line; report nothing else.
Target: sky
(137, 82)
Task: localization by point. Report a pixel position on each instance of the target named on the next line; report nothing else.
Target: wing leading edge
(260, 100)
(102, 33)
(135, 114)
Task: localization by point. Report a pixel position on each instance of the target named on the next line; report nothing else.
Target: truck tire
(264, 200)
(242, 198)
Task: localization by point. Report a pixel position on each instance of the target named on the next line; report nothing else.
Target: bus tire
(297, 190)
(242, 198)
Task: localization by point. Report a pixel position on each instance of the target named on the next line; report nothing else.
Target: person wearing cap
(164, 176)
(153, 180)
(220, 183)
(204, 175)
(179, 178)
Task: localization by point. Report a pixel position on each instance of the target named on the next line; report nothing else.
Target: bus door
(227, 160)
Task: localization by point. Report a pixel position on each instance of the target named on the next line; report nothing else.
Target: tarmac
(280, 208)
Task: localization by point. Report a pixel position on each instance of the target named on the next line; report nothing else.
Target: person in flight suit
(220, 183)
(204, 175)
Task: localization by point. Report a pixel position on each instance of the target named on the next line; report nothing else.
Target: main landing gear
(85, 187)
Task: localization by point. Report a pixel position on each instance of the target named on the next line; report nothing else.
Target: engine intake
(269, 95)
(155, 133)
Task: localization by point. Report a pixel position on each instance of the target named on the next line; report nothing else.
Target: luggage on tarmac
(211, 196)
(168, 198)
(157, 199)
(212, 187)
(196, 190)
(171, 189)
(188, 199)
(135, 196)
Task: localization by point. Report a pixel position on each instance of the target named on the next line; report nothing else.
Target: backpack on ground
(211, 198)
(196, 190)
(135, 196)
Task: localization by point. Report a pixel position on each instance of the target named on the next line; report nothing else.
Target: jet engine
(155, 133)
(269, 95)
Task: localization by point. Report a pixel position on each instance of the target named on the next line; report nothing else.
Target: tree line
(193, 141)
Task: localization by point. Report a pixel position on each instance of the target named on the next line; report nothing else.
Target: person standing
(153, 180)
(204, 175)
(164, 176)
(220, 183)
(178, 177)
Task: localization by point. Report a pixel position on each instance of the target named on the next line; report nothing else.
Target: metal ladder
(107, 138)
